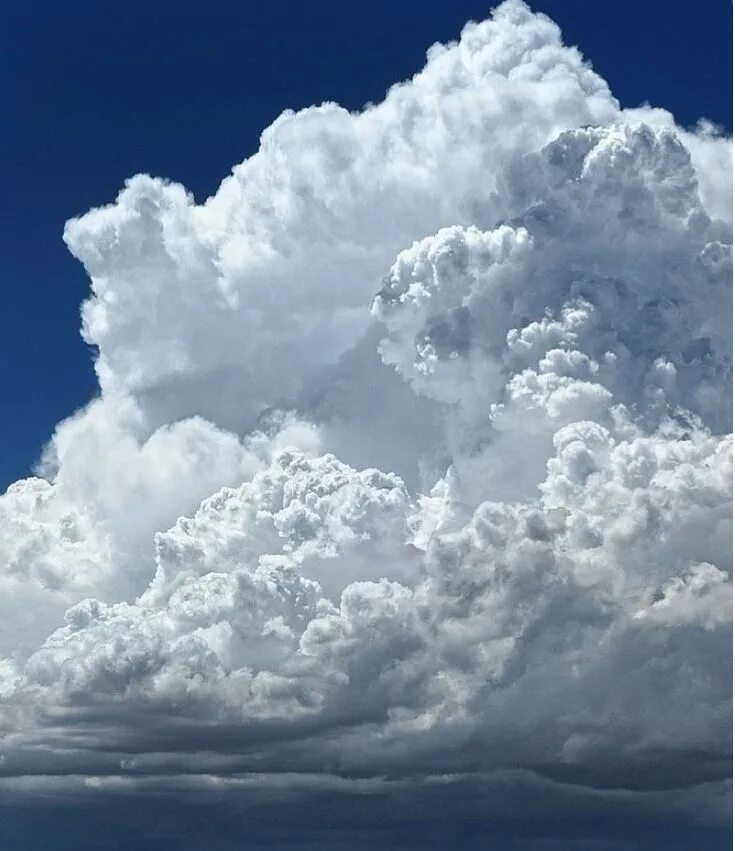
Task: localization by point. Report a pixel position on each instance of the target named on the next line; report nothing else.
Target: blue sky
(94, 92)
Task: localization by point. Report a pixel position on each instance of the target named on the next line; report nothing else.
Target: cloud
(411, 458)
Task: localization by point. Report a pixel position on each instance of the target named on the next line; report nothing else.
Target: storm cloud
(409, 478)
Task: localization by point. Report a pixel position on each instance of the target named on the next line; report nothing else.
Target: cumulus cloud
(412, 455)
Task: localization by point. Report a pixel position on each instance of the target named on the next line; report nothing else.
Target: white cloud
(483, 525)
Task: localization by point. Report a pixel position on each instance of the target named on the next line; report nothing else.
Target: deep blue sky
(95, 91)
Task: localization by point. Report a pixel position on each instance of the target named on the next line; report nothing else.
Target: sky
(95, 92)
(376, 377)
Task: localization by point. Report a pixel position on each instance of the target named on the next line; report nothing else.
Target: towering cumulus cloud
(410, 467)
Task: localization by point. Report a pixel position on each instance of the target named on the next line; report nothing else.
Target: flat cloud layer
(411, 462)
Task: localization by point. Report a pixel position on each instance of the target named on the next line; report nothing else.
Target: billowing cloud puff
(411, 459)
